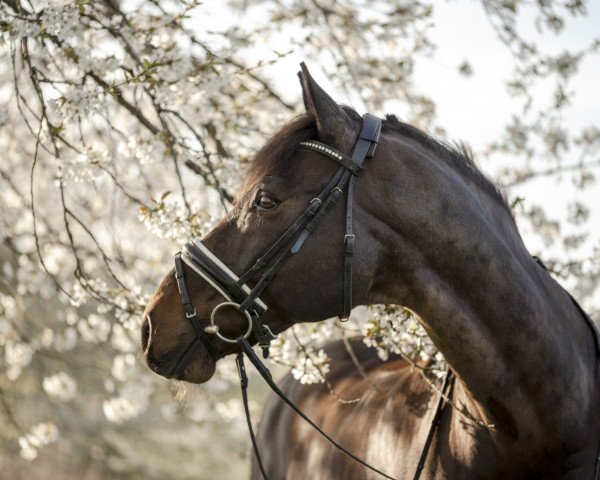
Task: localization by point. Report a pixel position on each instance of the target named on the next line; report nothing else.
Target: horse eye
(265, 202)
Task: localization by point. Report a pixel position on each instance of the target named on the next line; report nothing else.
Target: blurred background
(125, 127)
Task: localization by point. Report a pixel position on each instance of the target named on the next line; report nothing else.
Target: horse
(430, 232)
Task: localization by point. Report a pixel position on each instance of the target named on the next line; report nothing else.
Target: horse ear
(333, 124)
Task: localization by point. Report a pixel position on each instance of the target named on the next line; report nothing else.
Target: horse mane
(275, 155)
(459, 155)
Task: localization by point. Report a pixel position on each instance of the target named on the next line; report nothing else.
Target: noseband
(235, 290)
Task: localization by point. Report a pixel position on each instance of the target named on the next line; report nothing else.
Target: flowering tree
(126, 126)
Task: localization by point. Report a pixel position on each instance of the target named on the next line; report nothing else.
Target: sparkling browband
(331, 152)
(323, 148)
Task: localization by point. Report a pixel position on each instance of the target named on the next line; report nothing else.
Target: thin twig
(356, 361)
(321, 373)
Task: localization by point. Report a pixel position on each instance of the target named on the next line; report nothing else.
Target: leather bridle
(235, 290)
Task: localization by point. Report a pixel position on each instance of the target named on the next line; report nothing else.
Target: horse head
(287, 175)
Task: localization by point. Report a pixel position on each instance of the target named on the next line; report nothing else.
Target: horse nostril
(146, 333)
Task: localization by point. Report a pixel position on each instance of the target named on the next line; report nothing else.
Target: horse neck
(524, 357)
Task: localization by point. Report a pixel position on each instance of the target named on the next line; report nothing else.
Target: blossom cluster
(39, 436)
(61, 386)
(394, 329)
(386, 328)
(301, 350)
(311, 368)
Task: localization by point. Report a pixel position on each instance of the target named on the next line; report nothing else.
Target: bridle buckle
(349, 244)
(191, 315)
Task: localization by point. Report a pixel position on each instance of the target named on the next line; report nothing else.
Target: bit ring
(214, 328)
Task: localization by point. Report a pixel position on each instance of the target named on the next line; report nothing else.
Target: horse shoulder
(380, 428)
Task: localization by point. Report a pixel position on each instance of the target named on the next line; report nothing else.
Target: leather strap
(244, 387)
(348, 253)
(329, 202)
(446, 391)
(190, 311)
(371, 130)
(365, 147)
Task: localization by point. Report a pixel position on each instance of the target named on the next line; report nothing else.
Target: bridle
(246, 300)
(235, 290)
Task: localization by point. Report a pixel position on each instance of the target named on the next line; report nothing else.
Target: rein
(245, 347)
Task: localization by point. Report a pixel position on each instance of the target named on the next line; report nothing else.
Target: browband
(331, 152)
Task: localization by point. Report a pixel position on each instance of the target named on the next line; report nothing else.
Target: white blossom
(38, 437)
(119, 409)
(61, 386)
(54, 111)
(392, 329)
(133, 400)
(121, 338)
(123, 366)
(65, 341)
(94, 329)
(311, 368)
(17, 355)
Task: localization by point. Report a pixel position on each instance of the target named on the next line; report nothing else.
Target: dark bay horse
(432, 234)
